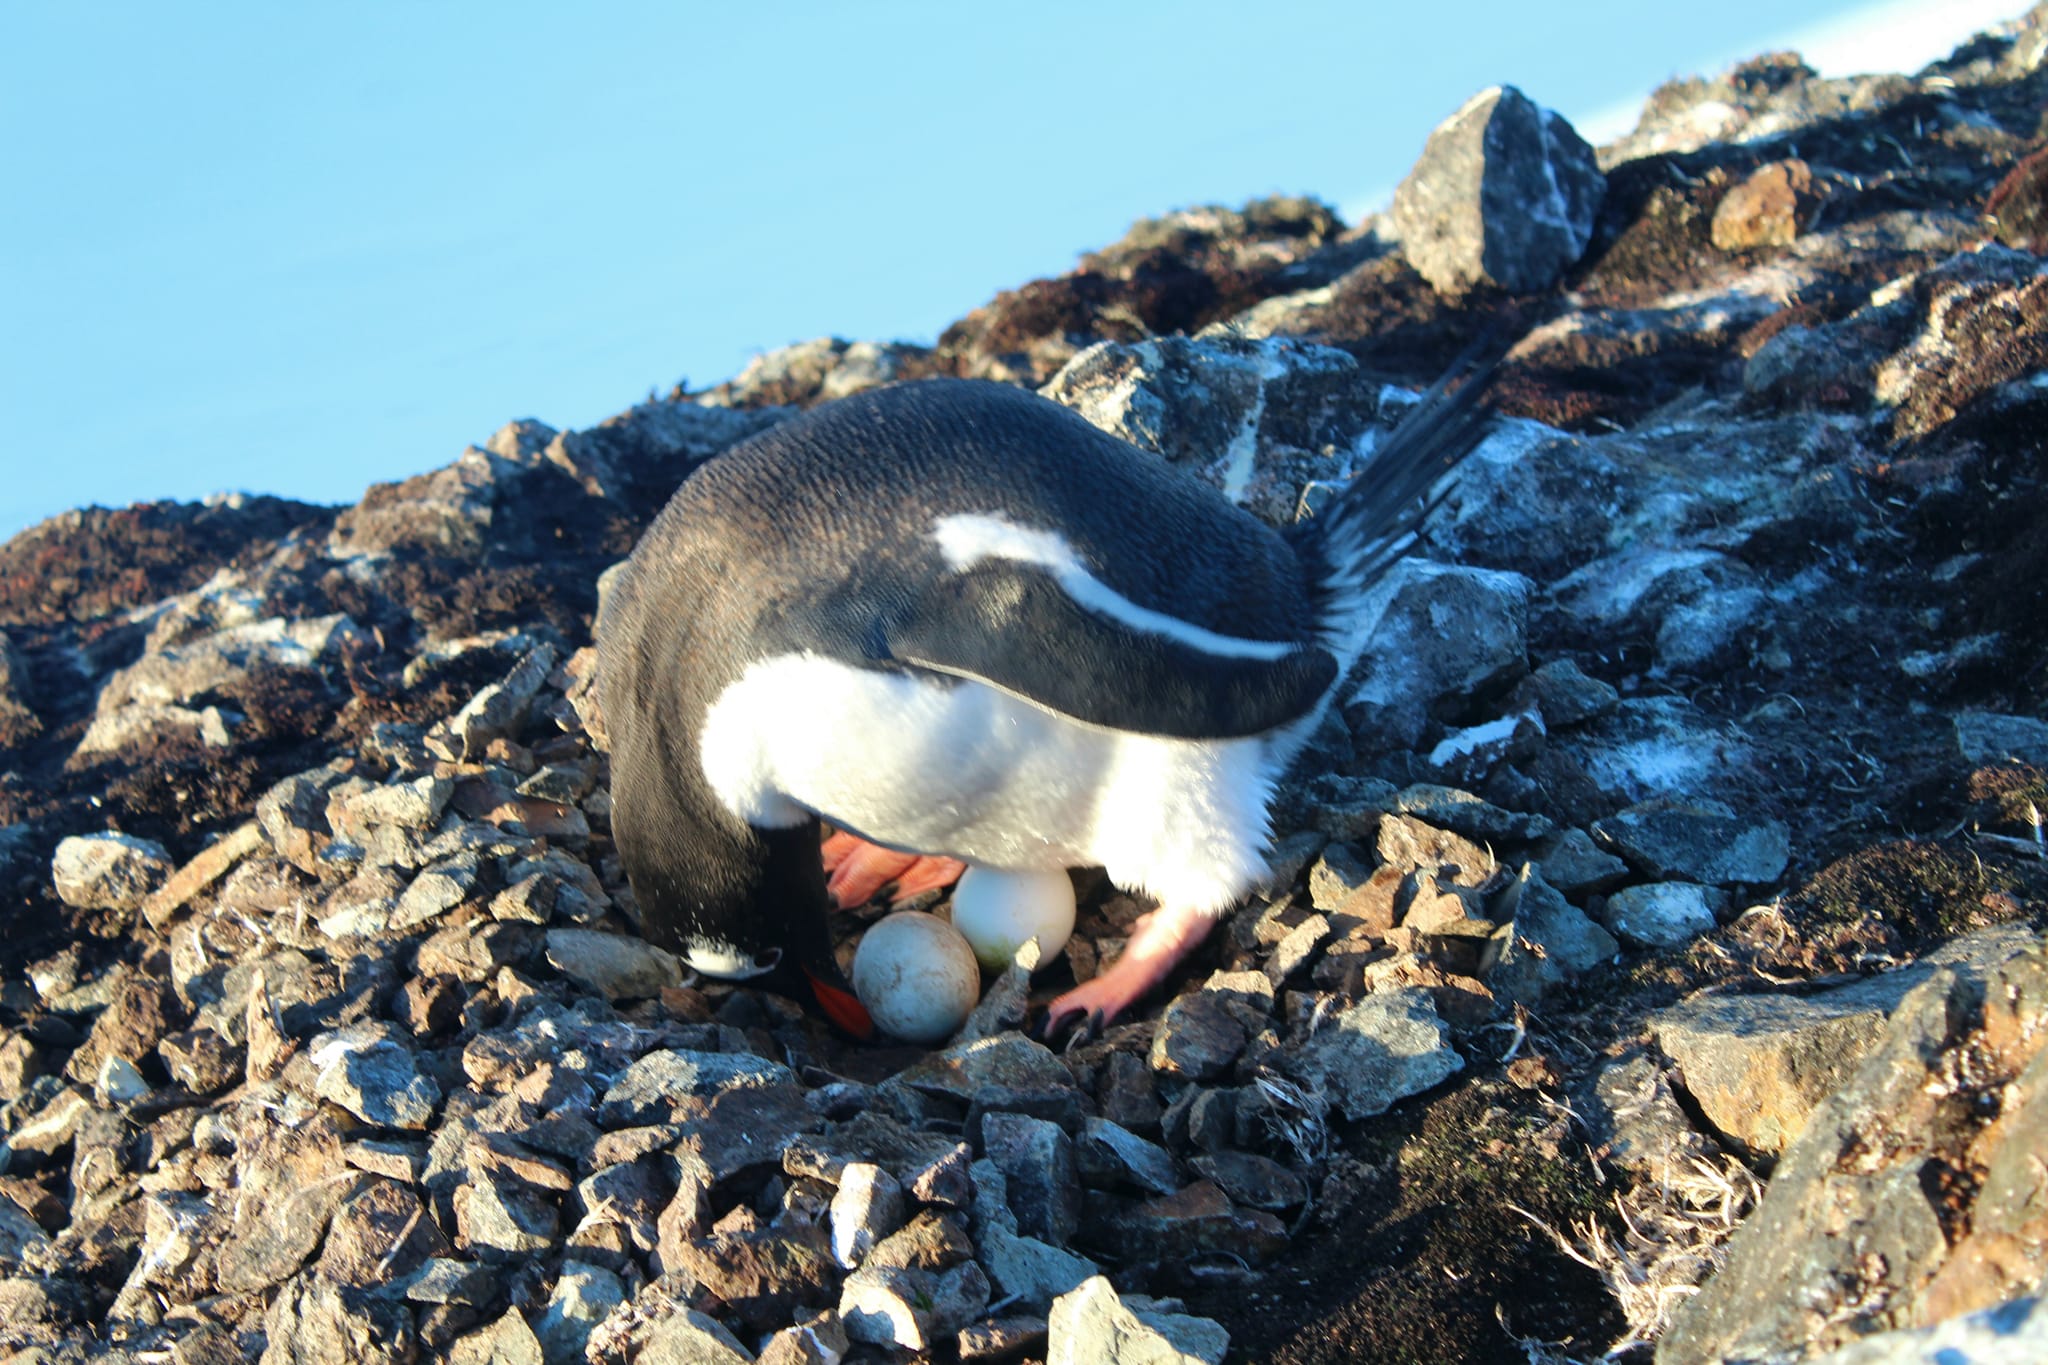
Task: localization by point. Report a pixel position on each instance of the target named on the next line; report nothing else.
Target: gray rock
(435, 891)
(1388, 1046)
(583, 1296)
(312, 1322)
(504, 1219)
(931, 1167)
(911, 1309)
(501, 710)
(1857, 1231)
(1037, 1162)
(1463, 813)
(1297, 949)
(374, 1077)
(866, 1208)
(1564, 695)
(688, 1337)
(1703, 841)
(1574, 865)
(413, 804)
(1198, 1038)
(2013, 1333)
(507, 1341)
(1505, 193)
(1341, 871)
(1252, 1180)
(1256, 419)
(1108, 1155)
(1008, 1061)
(1757, 1066)
(1021, 1267)
(109, 871)
(1631, 1109)
(650, 1089)
(1412, 665)
(1664, 914)
(1987, 737)
(1092, 1326)
(1550, 941)
(613, 965)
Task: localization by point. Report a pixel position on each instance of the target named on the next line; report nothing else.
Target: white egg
(998, 912)
(916, 976)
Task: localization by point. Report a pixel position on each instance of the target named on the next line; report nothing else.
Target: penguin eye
(768, 959)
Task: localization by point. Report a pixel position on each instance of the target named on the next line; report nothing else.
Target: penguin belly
(954, 767)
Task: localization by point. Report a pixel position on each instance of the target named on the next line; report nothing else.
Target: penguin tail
(1375, 518)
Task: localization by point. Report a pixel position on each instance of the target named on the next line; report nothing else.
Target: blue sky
(296, 249)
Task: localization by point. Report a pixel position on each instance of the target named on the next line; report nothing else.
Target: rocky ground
(1653, 959)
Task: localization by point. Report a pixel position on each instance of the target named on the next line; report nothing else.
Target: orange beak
(841, 1007)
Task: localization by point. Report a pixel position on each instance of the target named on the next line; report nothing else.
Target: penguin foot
(1162, 939)
(856, 869)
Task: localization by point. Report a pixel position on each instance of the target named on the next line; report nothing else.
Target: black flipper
(1011, 625)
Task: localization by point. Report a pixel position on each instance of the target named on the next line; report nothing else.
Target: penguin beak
(841, 1006)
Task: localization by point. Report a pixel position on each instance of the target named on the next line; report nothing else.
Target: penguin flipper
(1014, 627)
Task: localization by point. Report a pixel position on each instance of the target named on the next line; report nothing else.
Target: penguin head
(797, 964)
(750, 907)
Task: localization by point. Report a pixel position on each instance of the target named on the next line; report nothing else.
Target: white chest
(959, 768)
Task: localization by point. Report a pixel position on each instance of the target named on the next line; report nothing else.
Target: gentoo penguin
(954, 619)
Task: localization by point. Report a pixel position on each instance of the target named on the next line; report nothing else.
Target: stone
(312, 1322)
(1771, 207)
(866, 1209)
(1037, 1162)
(1198, 1038)
(1107, 1156)
(1337, 875)
(109, 871)
(1572, 864)
(616, 967)
(930, 1241)
(1857, 1231)
(911, 1309)
(1297, 950)
(436, 890)
(1378, 1052)
(507, 1341)
(817, 1340)
(374, 1077)
(1411, 845)
(583, 1296)
(1008, 1337)
(1505, 193)
(1664, 914)
(1986, 737)
(1197, 1219)
(1465, 814)
(1008, 1061)
(1252, 1180)
(506, 1218)
(129, 1028)
(1562, 693)
(1547, 942)
(1257, 420)
(1412, 666)
(763, 1275)
(379, 1233)
(649, 1090)
(1703, 841)
(1757, 1066)
(1092, 1326)
(503, 709)
(688, 1337)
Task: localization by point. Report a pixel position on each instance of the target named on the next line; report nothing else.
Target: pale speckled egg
(916, 976)
(998, 912)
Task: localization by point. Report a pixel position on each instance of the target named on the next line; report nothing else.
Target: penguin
(962, 625)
